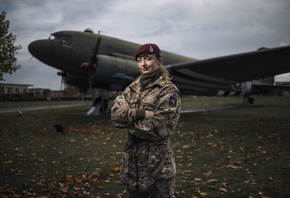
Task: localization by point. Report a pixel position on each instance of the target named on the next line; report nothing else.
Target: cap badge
(151, 49)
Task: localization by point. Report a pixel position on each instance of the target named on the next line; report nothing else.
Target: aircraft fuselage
(113, 65)
(93, 60)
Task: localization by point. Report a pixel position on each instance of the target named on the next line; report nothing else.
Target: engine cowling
(115, 73)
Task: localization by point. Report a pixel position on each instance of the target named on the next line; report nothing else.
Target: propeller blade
(93, 61)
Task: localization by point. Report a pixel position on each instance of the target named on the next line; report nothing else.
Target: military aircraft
(89, 60)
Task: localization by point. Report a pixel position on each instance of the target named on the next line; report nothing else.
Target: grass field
(242, 152)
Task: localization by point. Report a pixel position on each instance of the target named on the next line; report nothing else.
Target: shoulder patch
(172, 101)
(175, 95)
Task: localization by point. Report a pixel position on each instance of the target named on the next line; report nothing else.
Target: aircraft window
(66, 39)
(55, 37)
(63, 38)
(51, 37)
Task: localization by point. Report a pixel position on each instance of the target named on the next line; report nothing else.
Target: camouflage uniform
(148, 157)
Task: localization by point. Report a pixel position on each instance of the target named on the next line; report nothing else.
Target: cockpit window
(51, 37)
(61, 37)
(66, 39)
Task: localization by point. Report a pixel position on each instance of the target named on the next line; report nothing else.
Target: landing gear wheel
(251, 100)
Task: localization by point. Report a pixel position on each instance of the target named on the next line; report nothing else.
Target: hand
(149, 114)
(124, 104)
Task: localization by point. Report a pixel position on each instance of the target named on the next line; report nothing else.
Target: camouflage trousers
(161, 189)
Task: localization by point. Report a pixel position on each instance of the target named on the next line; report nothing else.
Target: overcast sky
(196, 28)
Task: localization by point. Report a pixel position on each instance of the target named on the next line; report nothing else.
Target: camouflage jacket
(148, 155)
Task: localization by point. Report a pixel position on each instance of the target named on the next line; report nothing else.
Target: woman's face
(149, 63)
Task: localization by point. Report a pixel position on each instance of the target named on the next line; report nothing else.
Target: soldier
(150, 108)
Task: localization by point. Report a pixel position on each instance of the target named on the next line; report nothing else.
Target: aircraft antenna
(89, 30)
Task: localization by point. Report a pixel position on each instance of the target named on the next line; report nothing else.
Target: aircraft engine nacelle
(115, 73)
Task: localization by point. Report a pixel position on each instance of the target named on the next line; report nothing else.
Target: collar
(135, 86)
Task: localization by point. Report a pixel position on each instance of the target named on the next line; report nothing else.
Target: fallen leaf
(212, 180)
(122, 194)
(117, 182)
(116, 169)
(223, 190)
(207, 174)
(197, 179)
(270, 178)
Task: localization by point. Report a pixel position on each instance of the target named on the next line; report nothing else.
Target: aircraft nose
(39, 48)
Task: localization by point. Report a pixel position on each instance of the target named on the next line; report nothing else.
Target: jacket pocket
(168, 169)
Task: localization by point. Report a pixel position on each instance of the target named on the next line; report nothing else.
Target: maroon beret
(145, 49)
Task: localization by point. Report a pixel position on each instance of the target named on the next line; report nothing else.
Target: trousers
(161, 189)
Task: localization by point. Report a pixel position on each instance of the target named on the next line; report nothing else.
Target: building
(46, 93)
(26, 92)
(14, 91)
(283, 93)
(15, 88)
(39, 92)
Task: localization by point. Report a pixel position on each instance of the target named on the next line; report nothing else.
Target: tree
(7, 49)
(70, 91)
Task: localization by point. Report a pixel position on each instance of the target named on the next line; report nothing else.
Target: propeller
(94, 60)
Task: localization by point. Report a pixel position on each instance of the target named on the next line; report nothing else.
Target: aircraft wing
(273, 87)
(228, 70)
